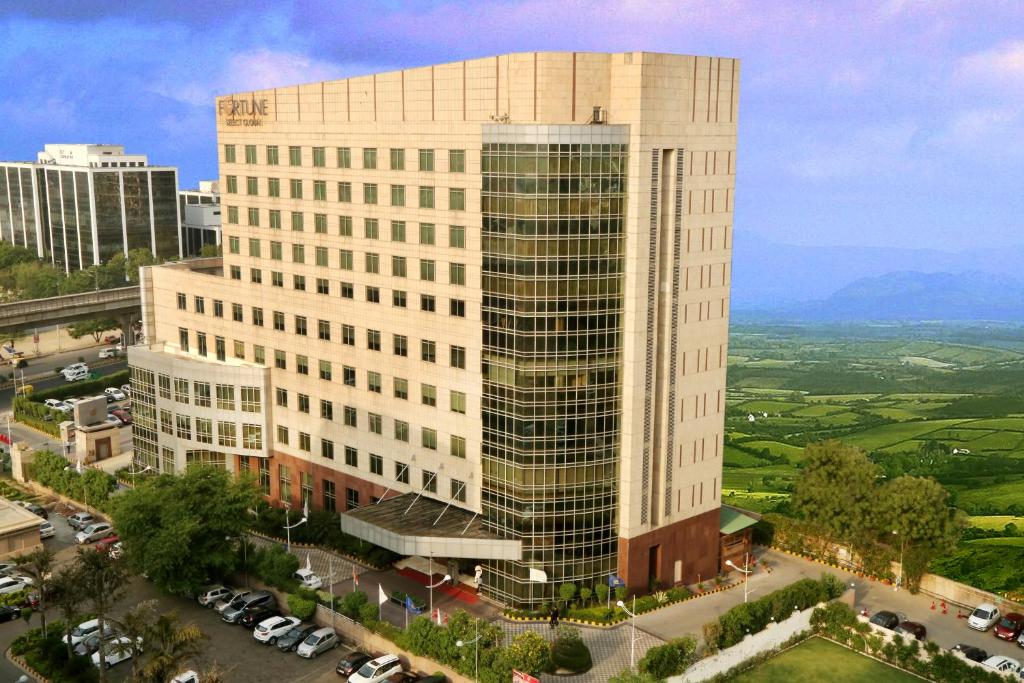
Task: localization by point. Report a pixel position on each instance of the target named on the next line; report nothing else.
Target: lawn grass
(794, 453)
(891, 434)
(996, 522)
(1000, 496)
(821, 660)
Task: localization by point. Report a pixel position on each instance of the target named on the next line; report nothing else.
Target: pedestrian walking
(554, 617)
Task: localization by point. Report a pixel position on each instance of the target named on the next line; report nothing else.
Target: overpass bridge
(121, 303)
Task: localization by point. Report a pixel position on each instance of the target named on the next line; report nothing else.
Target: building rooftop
(15, 518)
(732, 520)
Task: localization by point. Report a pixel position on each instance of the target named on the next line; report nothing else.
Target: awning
(416, 525)
(732, 520)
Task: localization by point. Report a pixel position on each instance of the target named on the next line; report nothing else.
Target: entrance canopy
(411, 524)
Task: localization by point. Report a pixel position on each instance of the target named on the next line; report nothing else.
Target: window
(326, 410)
(427, 233)
(254, 247)
(233, 246)
(233, 215)
(351, 457)
(320, 223)
(204, 430)
(349, 417)
(398, 298)
(259, 354)
(252, 186)
(458, 490)
(282, 435)
(401, 472)
(226, 434)
(297, 221)
(458, 357)
(373, 340)
(372, 262)
(320, 256)
(276, 278)
(323, 286)
(345, 259)
(458, 402)
(327, 449)
(201, 391)
(300, 325)
(281, 397)
(428, 394)
(428, 351)
(319, 157)
(201, 343)
(166, 422)
(376, 423)
(239, 348)
(325, 370)
(427, 303)
(397, 159)
(236, 313)
(284, 477)
(400, 344)
(369, 193)
(303, 400)
(184, 424)
(397, 231)
(304, 444)
(180, 390)
(348, 335)
(370, 157)
(429, 481)
(294, 156)
(256, 276)
(373, 381)
(347, 290)
(345, 226)
(298, 253)
(275, 219)
(456, 161)
(323, 330)
(182, 302)
(344, 157)
(402, 431)
(225, 397)
(252, 437)
(401, 388)
(373, 295)
(220, 347)
(320, 190)
(371, 229)
(458, 447)
(457, 307)
(275, 251)
(273, 158)
(427, 270)
(252, 399)
(200, 304)
(330, 504)
(299, 282)
(349, 375)
(183, 339)
(398, 268)
(278, 321)
(345, 192)
(229, 154)
(296, 188)
(280, 361)
(302, 364)
(457, 236)
(250, 154)
(456, 199)
(398, 195)
(351, 499)
(376, 465)
(426, 198)
(426, 160)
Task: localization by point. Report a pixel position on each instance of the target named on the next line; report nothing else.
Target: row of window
(343, 157)
(371, 226)
(250, 399)
(371, 192)
(428, 440)
(227, 435)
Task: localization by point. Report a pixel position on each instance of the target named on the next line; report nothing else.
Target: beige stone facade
(345, 199)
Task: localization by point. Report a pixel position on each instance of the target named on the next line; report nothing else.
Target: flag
(538, 576)
(382, 597)
(412, 607)
(309, 563)
(78, 467)
(355, 577)
(614, 581)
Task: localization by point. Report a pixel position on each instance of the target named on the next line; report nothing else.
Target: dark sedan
(290, 641)
(912, 628)
(351, 662)
(889, 620)
(975, 654)
(252, 617)
(37, 510)
(8, 613)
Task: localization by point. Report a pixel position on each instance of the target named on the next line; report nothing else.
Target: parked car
(889, 620)
(123, 415)
(94, 532)
(308, 579)
(112, 339)
(1002, 664)
(377, 670)
(75, 375)
(108, 352)
(107, 542)
(269, 630)
(115, 650)
(10, 584)
(209, 595)
(86, 629)
(80, 520)
(186, 677)
(253, 616)
(243, 605)
(117, 550)
(318, 641)
(116, 393)
(912, 629)
(46, 530)
(975, 654)
(1009, 626)
(296, 634)
(60, 406)
(6, 567)
(228, 601)
(88, 646)
(9, 613)
(983, 617)
(350, 663)
(37, 510)
(76, 366)
(127, 389)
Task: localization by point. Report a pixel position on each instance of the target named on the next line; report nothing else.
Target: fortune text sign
(243, 112)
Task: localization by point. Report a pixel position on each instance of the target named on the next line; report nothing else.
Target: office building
(200, 217)
(479, 309)
(78, 205)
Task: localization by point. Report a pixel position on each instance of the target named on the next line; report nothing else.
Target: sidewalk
(55, 340)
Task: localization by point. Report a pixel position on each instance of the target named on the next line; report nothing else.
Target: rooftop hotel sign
(243, 112)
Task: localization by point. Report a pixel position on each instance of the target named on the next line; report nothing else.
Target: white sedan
(11, 585)
(115, 651)
(115, 393)
(269, 630)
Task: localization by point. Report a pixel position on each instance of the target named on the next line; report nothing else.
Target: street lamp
(903, 543)
(447, 578)
(476, 650)
(632, 623)
(745, 570)
(288, 528)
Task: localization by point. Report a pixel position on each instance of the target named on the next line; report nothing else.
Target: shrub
(276, 567)
(529, 653)
(569, 652)
(671, 659)
(300, 607)
(353, 603)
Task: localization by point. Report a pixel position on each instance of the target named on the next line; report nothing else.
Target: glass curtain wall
(553, 241)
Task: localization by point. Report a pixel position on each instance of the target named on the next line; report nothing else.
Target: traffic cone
(933, 605)
(945, 609)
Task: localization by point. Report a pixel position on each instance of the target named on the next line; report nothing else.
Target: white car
(983, 617)
(108, 352)
(86, 629)
(54, 404)
(115, 650)
(46, 530)
(209, 596)
(377, 670)
(186, 677)
(308, 579)
(94, 532)
(1002, 664)
(11, 584)
(269, 630)
(115, 393)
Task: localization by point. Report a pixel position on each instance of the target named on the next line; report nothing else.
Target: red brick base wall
(367, 490)
(692, 541)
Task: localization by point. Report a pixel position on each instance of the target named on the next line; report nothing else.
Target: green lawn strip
(996, 522)
(891, 434)
(794, 453)
(816, 659)
(1000, 495)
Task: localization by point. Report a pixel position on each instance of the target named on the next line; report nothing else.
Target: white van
(73, 375)
(108, 352)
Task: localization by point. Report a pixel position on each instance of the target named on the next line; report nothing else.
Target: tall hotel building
(479, 309)
(78, 205)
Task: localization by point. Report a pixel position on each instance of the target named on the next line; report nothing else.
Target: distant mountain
(912, 296)
(770, 276)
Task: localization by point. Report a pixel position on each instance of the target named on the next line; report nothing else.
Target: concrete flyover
(121, 303)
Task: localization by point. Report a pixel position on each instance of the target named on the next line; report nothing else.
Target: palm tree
(102, 580)
(136, 624)
(169, 645)
(38, 564)
(68, 598)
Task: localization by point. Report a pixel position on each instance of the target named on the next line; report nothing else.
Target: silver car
(318, 641)
(94, 532)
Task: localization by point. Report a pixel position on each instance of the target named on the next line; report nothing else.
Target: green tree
(94, 326)
(177, 529)
(210, 250)
(67, 596)
(567, 591)
(629, 676)
(919, 522)
(670, 659)
(38, 564)
(160, 645)
(836, 489)
(102, 580)
(529, 652)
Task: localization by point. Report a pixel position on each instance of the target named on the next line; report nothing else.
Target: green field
(995, 521)
(821, 660)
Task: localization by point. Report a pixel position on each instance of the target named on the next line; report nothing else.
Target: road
(54, 380)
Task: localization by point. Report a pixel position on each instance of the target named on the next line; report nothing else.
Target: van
(238, 607)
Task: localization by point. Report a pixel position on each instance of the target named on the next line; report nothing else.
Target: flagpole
(330, 580)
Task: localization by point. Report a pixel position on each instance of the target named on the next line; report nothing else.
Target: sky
(892, 123)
